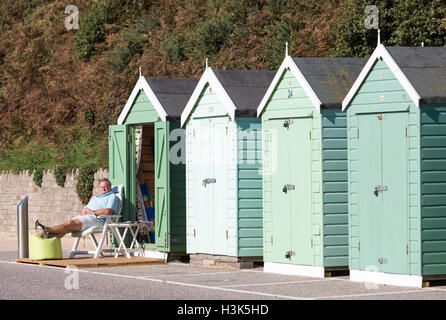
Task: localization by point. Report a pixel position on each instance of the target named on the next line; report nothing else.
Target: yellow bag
(43, 249)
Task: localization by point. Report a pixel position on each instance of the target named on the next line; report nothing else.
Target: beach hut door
(383, 198)
(119, 160)
(162, 185)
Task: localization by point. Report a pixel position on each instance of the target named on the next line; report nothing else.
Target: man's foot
(41, 230)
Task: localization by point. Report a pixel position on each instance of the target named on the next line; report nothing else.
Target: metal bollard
(22, 228)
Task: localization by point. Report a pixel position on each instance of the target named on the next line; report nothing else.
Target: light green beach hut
(397, 167)
(305, 166)
(223, 163)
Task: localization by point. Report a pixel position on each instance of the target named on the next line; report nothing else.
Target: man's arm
(99, 212)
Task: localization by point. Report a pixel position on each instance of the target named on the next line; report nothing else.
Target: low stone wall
(50, 203)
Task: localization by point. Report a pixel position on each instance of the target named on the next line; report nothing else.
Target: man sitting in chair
(105, 203)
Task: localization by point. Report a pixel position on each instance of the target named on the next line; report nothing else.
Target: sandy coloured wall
(50, 203)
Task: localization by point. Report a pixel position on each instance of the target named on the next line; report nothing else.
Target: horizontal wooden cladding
(334, 188)
(432, 269)
(433, 164)
(434, 153)
(433, 188)
(249, 192)
(433, 176)
(433, 141)
(334, 133)
(433, 200)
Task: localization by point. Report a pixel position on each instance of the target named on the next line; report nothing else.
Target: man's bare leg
(62, 229)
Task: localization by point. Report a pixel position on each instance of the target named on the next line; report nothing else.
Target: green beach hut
(223, 162)
(305, 166)
(397, 167)
(145, 150)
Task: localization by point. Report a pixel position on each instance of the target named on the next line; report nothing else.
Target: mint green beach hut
(397, 167)
(305, 166)
(223, 167)
(145, 155)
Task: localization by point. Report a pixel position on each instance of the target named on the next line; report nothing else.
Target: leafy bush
(402, 23)
(85, 181)
(212, 34)
(118, 59)
(91, 26)
(38, 176)
(60, 175)
(275, 50)
(174, 48)
(139, 32)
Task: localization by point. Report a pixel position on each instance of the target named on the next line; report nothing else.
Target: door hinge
(406, 132)
(312, 243)
(226, 130)
(357, 133)
(193, 133)
(195, 233)
(272, 241)
(129, 138)
(310, 134)
(227, 235)
(407, 249)
(359, 246)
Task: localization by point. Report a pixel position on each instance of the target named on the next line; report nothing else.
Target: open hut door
(119, 170)
(162, 186)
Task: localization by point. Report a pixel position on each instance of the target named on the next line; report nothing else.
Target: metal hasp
(289, 253)
(379, 188)
(287, 123)
(288, 187)
(22, 228)
(208, 180)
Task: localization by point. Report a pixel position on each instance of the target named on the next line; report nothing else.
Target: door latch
(289, 253)
(379, 188)
(207, 181)
(288, 187)
(287, 123)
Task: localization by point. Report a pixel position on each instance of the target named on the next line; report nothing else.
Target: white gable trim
(381, 52)
(208, 77)
(288, 63)
(142, 84)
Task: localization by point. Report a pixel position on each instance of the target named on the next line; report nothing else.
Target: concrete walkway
(181, 281)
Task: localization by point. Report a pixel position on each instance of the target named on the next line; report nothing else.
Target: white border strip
(403, 280)
(293, 269)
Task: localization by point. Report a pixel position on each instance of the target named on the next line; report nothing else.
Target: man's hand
(86, 211)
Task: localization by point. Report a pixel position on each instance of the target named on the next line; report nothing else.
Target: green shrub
(138, 33)
(85, 181)
(60, 175)
(118, 60)
(275, 50)
(38, 176)
(174, 48)
(91, 25)
(212, 34)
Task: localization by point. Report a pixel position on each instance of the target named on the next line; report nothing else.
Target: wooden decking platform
(95, 263)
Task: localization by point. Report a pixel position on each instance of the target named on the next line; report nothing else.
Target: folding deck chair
(118, 190)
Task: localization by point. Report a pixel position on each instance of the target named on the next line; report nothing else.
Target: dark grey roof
(173, 94)
(246, 88)
(330, 78)
(425, 67)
